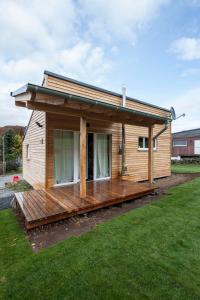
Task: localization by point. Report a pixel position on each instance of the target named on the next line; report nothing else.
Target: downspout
(124, 168)
(162, 130)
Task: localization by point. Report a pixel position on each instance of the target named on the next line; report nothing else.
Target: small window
(27, 152)
(140, 142)
(180, 143)
(143, 143)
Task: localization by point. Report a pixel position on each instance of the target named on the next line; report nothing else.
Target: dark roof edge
(186, 130)
(21, 90)
(101, 89)
(41, 89)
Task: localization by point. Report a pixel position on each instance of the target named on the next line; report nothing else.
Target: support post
(83, 137)
(150, 155)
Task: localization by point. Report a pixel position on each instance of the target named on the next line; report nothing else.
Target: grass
(186, 168)
(20, 186)
(149, 253)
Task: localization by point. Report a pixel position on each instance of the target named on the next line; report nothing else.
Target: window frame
(181, 145)
(144, 142)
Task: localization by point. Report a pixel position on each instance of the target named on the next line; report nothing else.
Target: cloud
(186, 48)
(115, 19)
(43, 35)
(9, 113)
(65, 36)
(83, 61)
(42, 25)
(188, 103)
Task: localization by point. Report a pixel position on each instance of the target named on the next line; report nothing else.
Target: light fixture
(38, 124)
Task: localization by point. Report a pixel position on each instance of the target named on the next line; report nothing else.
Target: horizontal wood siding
(56, 121)
(136, 160)
(65, 86)
(34, 167)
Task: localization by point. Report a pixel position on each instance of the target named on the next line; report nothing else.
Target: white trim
(65, 183)
(102, 178)
(143, 143)
(183, 145)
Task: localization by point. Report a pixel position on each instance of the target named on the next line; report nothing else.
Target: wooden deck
(41, 207)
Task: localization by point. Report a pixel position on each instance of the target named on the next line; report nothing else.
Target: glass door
(102, 156)
(63, 156)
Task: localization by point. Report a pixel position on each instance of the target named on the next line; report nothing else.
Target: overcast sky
(150, 46)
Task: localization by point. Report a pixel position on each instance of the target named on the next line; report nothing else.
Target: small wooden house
(79, 135)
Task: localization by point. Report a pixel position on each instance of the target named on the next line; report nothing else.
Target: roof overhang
(45, 99)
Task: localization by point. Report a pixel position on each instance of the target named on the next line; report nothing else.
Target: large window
(143, 143)
(102, 155)
(180, 143)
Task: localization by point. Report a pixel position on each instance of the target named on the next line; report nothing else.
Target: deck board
(49, 205)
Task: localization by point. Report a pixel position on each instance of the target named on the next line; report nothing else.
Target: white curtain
(63, 156)
(102, 156)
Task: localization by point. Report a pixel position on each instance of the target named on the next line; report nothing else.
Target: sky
(150, 46)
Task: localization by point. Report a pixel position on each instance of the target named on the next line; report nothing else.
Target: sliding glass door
(66, 156)
(102, 155)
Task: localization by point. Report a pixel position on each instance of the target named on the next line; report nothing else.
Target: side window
(27, 151)
(180, 143)
(140, 142)
(143, 143)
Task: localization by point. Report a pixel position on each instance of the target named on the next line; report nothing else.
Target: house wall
(187, 150)
(136, 160)
(35, 137)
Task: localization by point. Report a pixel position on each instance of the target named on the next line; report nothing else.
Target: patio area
(45, 206)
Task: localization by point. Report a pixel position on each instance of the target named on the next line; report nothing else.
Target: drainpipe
(162, 130)
(124, 168)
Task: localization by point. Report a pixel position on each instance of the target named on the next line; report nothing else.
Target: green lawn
(149, 253)
(186, 168)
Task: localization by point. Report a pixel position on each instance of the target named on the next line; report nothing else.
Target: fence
(6, 196)
(10, 165)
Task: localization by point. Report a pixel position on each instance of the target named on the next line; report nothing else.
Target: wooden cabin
(80, 135)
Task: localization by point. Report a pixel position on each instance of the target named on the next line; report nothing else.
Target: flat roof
(101, 89)
(187, 133)
(94, 103)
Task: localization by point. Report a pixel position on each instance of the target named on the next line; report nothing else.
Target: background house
(186, 143)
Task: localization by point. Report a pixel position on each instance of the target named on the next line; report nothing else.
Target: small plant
(20, 186)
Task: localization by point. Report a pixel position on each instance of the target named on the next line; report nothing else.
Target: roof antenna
(173, 115)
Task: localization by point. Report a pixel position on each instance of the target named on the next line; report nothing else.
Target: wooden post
(83, 136)
(150, 155)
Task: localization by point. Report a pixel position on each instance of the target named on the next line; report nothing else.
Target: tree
(9, 137)
(17, 147)
(1, 149)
